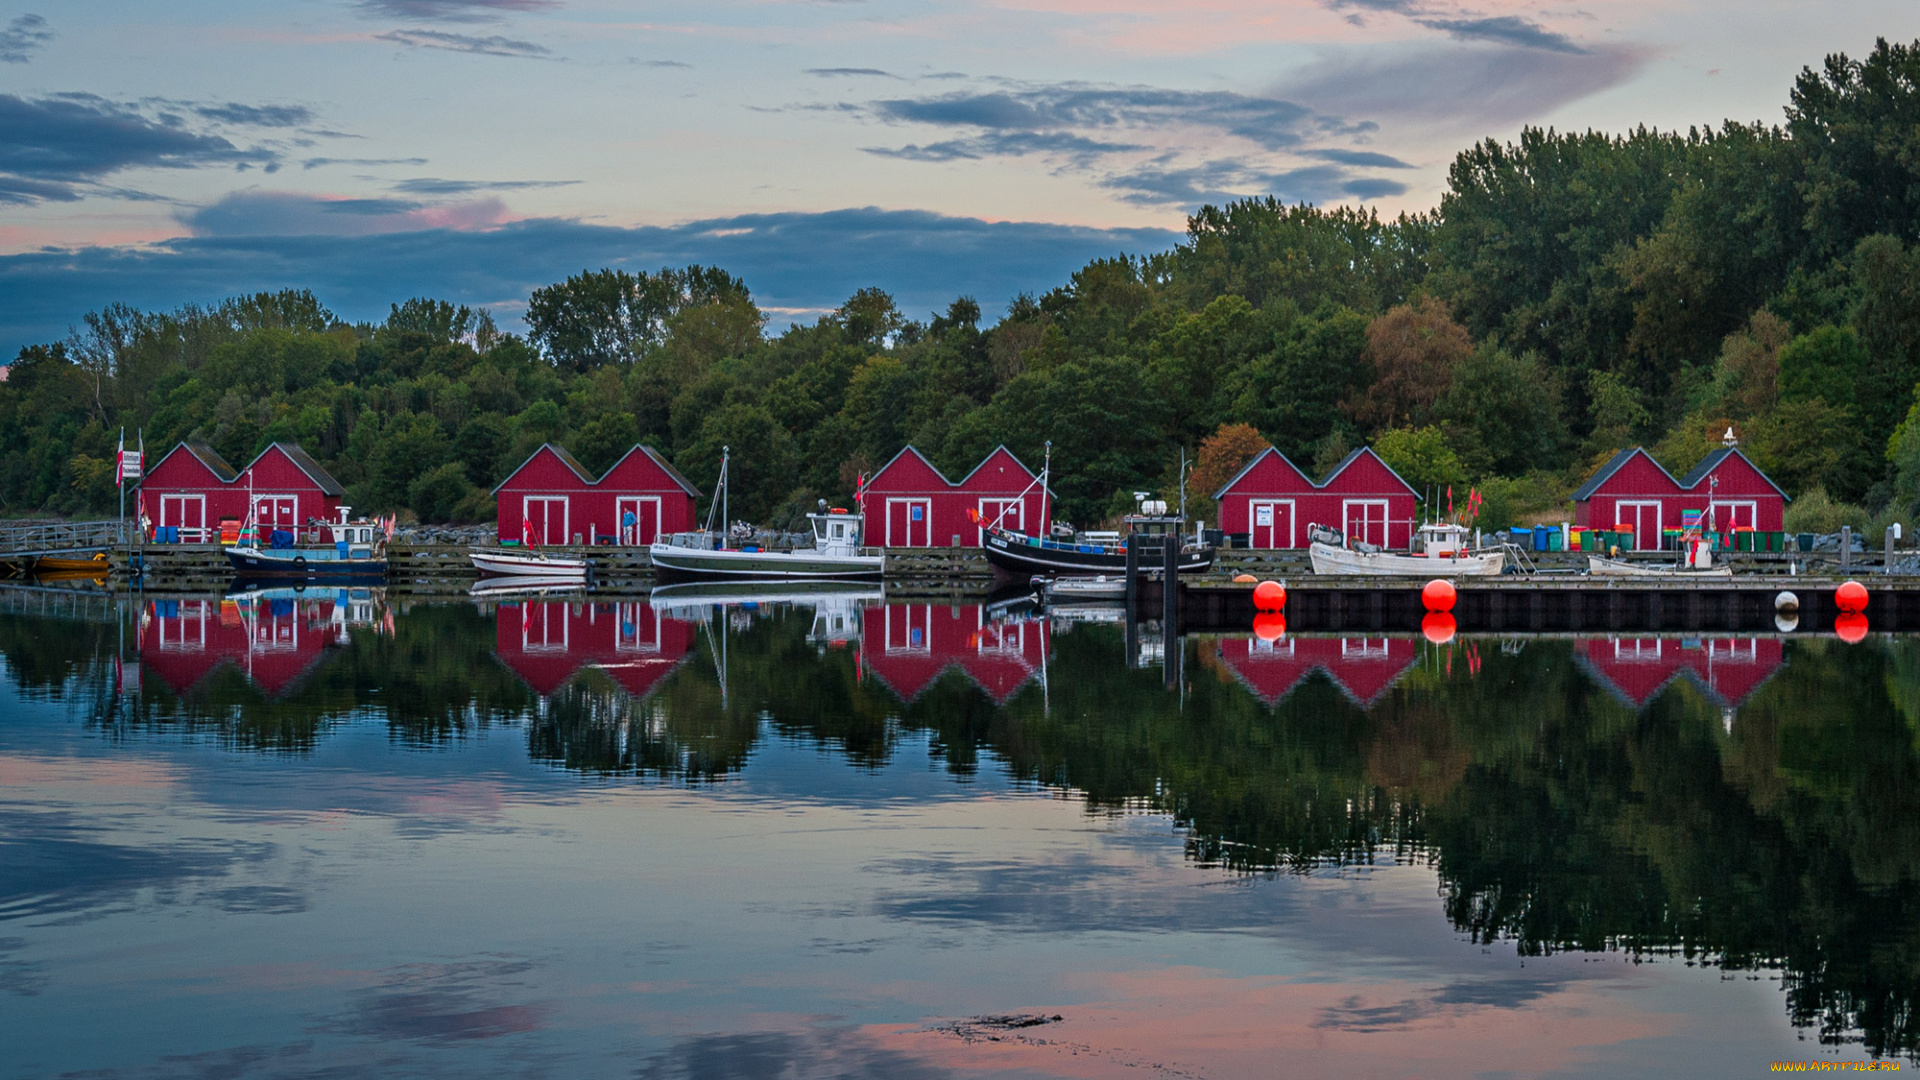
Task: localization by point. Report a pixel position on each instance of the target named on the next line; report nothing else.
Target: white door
(637, 519)
(636, 629)
(1644, 517)
(1366, 520)
(1272, 523)
(1735, 515)
(991, 511)
(909, 522)
(547, 514)
(185, 511)
(277, 512)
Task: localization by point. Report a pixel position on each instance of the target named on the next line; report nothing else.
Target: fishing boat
(523, 585)
(1600, 566)
(359, 550)
(526, 563)
(1444, 553)
(704, 556)
(1015, 554)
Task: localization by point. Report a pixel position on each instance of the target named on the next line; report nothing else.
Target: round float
(1269, 626)
(1851, 597)
(1438, 595)
(1438, 627)
(1851, 627)
(1269, 596)
(1786, 603)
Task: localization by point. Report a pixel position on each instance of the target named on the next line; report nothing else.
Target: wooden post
(1170, 609)
(1846, 547)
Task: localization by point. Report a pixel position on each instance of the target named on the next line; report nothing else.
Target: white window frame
(1253, 524)
(566, 516)
(1640, 537)
(1638, 653)
(180, 642)
(1386, 519)
(1366, 649)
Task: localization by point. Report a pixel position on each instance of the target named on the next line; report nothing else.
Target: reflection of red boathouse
(546, 642)
(1637, 669)
(275, 642)
(909, 646)
(1362, 667)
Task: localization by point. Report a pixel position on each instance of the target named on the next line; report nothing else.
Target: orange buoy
(1851, 597)
(1269, 626)
(1269, 596)
(1851, 627)
(1438, 595)
(1438, 627)
(1244, 579)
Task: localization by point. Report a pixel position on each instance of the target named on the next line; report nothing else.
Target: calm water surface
(327, 836)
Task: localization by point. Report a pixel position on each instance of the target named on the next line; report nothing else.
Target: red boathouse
(546, 643)
(1362, 668)
(1634, 491)
(908, 503)
(1729, 669)
(909, 646)
(1270, 503)
(552, 499)
(193, 487)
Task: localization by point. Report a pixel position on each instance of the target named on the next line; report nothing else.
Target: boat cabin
(835, 531)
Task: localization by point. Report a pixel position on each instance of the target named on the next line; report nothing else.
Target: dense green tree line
(1572, 293)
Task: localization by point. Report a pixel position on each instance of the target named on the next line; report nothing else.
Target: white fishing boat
(1599, 566)
(701, 556)
(525, 562)
(521, 585)
(1444, 553)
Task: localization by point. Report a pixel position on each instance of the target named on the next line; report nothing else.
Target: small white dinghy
(1067, 590)
(511, 562)
(1697, 563)
(1445, 555)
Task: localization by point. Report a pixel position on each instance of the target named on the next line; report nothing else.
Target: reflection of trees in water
(1558, 816)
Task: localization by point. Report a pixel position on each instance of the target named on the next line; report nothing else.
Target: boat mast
(726, 515)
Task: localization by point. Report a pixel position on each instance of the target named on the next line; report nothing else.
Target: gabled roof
(565, 459)
(909, 449)
(962, 482)
(305, 463)
(1366, 451)
(1257, 459)
(1615, 464)
(656, 457)
(206, 455)
(1712, 461)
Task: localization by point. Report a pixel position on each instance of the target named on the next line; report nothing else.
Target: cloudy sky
(473, 149)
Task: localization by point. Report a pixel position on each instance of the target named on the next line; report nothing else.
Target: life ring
(300, 563)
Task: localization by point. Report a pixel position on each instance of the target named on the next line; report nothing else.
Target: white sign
(1263, 516)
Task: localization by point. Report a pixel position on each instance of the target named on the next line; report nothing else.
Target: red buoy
(1269, 626)
(1438, 595)
(1851, 627)
(1438, 627)
(1851, 597)
(1269, 596)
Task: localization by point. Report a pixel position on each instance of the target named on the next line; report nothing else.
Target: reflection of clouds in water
(443, 1003)
(1076, 893)
(50, 866)
(1513, 991)
(790, 1055)
(21, 978)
